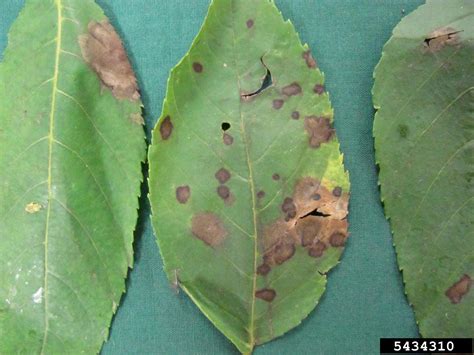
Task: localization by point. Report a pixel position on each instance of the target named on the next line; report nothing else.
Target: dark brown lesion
(166, 128)
(222, 175)
(319, 130)
(308, 57)
(292, 89)
(183, 193)
(313, 218)
(457, 291)
(278, 104)
(295, 115)
(223, 192)
(319, 89)
(198, 67)
(103, 51)
(266, 294)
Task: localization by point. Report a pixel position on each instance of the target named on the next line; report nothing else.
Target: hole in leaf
(225, 126)
(316, 213)
(267, 82)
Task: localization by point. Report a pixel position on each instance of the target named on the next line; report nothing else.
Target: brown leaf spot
(337, 192)
(276, 177)
(223, 192)
(278, 104)
(261, 194)
(103, 51)
(295, 115)
(457, 291)
(317, 250)
(441, 37)
(308, 57)
(209, 228)
(166, 128)
(292, 89)
(266, 294)
(197, 67)
(263, 270)
(318, 89)
(283, 252)
(228, 139)
(222, 175)
(319, 130)
(337, 239)
(33, 207)
(288, 207)
(183, 193)
(249, 23)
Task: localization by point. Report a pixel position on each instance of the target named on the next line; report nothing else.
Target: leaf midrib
(50, 154)
(251, 327)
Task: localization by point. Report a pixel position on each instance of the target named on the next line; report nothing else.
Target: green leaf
(424, 131)
(70, 168)
(247, 186)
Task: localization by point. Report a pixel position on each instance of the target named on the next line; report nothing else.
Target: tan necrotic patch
(209, 228)
(441, 37)
(104, 52)
(319, 130)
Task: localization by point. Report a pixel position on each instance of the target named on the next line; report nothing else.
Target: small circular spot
(183, 193)
(295, 115)
(319, 89)
(276, 177)
(225, 126)
(263, 269)
(223, 192)
(278, 104)
(228, 139)
(222, 175)
(261, 194)
(316, 197)
(337, 191)
(197, 67)
(249, 23)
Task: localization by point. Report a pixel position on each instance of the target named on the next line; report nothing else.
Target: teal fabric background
(364, 299)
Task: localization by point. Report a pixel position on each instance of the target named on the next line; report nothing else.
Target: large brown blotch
(319, 130)
(209, 228)
(313, 232)
(103, 51)
(457, 291)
